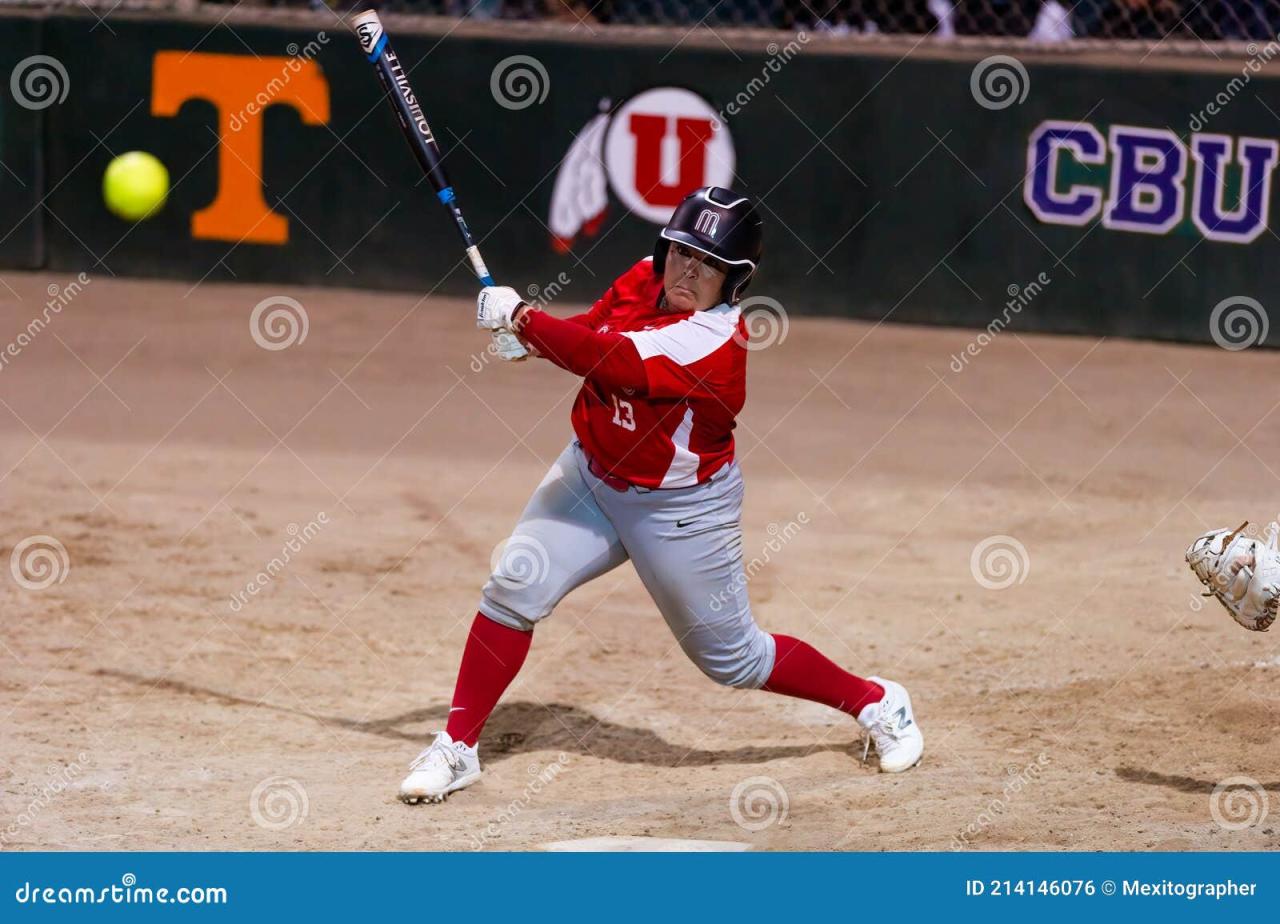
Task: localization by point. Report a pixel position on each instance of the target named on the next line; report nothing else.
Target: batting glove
(495, 306)
(508, 346)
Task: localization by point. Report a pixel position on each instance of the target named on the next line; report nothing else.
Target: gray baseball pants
(685, 543)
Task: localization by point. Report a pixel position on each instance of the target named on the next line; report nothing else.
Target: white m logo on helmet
(708, 221)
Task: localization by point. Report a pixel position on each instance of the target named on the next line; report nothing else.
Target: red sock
(491, 660)
(802, 671)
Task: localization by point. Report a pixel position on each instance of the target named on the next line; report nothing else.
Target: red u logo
(693, 134)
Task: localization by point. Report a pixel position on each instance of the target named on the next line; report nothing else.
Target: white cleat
(445, 766)
(891, 726)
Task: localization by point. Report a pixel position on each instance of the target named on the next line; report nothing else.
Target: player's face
(693, 281)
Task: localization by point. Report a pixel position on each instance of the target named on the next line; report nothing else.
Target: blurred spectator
(1053, 24)
(1234, 19)
(996, 17)
(685, 12)
(1040, 20)
(1128, 19)
(570, 11)
(890, 16)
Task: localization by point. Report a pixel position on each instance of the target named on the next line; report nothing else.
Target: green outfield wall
(1038, 194)
(22, 176)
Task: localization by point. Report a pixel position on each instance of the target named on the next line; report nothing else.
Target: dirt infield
(154, 696)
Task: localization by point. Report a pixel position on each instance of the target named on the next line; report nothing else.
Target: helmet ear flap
(660, 255)
(736, 284)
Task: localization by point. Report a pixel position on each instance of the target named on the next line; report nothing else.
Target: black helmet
(721, 224)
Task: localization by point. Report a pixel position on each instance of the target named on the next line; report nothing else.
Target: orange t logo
(240, 88)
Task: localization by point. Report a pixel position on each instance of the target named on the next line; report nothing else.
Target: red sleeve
(595, 317)
(610, 359)
(599, 311)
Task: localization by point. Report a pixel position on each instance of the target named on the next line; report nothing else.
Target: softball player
(650, 477)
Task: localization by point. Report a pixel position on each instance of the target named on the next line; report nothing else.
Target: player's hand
(495, 306)
(508, 346)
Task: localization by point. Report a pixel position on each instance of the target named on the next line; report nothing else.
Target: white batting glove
(508, 346)
(494, 307)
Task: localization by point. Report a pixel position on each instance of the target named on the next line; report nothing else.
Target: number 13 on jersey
(624, 415)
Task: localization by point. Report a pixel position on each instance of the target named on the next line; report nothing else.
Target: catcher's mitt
(1243, 573)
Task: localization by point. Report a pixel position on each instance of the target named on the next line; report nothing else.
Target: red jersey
(661, 389)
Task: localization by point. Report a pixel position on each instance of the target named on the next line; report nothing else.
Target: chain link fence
(1048, 20)
(1184, 22)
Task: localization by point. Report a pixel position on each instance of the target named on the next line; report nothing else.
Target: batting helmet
(722, 224)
